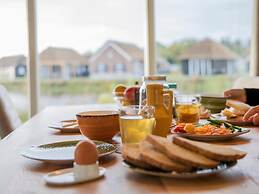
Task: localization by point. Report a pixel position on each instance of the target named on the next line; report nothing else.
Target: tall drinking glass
(136, 123)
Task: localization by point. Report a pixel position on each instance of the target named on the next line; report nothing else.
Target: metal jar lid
(154, 78)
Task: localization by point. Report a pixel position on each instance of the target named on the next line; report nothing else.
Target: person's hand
(252, 115)
(236, 94)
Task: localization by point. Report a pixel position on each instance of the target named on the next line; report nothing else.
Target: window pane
(87, 47)
(13, 52)
(203, 45)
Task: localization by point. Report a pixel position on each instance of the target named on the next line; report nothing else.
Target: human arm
(247, 95)
(252, 115)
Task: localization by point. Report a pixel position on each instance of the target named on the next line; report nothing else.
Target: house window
(20, 70)
(102, 68)
(119, 68)
(56, 69)
(82, 70)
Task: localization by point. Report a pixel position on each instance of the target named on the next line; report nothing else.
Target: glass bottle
(156, 95)
(151, 79)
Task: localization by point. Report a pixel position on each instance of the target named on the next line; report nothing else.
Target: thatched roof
(208, 49)
(57, 54)
(13, 60)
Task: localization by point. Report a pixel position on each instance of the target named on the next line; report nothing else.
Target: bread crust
(181, 155)
(131, 153)
(212, 151)
(156, 158)
(239, 108)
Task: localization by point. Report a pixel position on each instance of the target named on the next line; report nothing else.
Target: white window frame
(32, 60)
(150, 48)
(254, 47)
(150, 44)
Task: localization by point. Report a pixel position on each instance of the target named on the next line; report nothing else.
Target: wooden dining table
(19, 175)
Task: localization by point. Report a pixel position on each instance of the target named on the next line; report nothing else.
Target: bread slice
(131, 153)
(237, 111)
(212, 151)
(238, 108)
(158, 159)
(158, 142)
(180, 154)
(228, 113)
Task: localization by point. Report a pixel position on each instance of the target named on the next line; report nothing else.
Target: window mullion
(150, 46)
(254, 65)
(32, 59)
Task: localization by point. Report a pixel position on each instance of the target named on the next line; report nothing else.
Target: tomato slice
(179, 128)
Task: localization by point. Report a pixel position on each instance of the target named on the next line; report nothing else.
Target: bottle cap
(172, 85)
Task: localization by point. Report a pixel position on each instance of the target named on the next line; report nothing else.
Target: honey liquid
(135, 128)
(187, 113)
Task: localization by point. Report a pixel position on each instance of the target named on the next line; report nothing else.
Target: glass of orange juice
(187, 109)
(136, 122)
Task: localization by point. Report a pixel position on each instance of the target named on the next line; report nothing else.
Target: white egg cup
(75, 175)
(85, 172)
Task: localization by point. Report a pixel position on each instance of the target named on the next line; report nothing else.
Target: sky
(86, 24)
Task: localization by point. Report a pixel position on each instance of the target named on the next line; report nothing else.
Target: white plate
(63, 152)
(197, 173)
(58, 126)
(66, 177)
(213, 137)
(234, 121)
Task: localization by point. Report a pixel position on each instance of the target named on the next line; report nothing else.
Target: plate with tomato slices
(211, 130)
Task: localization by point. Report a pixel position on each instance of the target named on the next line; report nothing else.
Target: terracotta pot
(99, 125)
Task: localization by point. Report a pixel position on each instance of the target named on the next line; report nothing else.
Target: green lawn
(186, 84)
(71, 87)
(101, 89)
(203, 85)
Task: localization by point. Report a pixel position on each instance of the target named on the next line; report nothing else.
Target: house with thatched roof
(62, 63)
(208, 57)
(12, 67)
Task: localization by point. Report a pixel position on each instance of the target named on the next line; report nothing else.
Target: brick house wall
(111, 58)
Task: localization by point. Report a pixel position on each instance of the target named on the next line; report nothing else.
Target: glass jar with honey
(187, 109)
(151, 79)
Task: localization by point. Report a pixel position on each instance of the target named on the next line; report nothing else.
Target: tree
(236, 46)
(173, 51)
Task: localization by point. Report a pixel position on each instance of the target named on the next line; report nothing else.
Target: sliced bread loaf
(180, 154)
(158, 159)
(215, 152)
(131, 153)
(239, 108)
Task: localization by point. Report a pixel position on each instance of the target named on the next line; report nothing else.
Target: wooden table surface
(19, 175)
